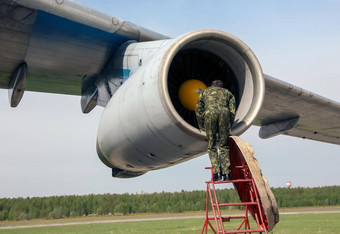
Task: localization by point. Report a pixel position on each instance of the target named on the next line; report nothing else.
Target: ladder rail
(218, 209)
(213, 207)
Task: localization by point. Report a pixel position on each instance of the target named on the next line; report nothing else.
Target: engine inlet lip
(242, 49)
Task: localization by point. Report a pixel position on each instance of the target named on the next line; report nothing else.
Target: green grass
(300, 223)
(308, 223)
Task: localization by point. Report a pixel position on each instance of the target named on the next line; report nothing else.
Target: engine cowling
(145, 126)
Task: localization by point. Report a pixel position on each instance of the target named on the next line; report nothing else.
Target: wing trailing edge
(293, 111)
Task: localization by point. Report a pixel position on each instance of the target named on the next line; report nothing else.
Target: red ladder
(252, 200)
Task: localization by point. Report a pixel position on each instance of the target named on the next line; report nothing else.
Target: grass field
(289, 223)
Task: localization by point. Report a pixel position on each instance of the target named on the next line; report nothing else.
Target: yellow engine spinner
(189, 93)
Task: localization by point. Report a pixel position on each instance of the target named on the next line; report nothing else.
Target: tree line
(122, 204)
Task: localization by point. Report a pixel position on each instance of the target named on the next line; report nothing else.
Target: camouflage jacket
(215, 98)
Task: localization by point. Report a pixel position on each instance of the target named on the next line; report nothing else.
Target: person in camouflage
(215, 112)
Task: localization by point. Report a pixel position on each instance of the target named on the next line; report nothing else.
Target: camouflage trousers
(218, 122)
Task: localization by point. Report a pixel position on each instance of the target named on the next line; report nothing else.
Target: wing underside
(62, 43)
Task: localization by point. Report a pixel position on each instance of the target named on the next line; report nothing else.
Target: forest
(55, 207)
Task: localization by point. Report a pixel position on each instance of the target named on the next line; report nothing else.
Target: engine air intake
(196, 68)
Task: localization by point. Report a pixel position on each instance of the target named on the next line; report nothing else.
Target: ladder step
(236, 204)
(244, 231)
(229, 217)
(229, 181)
(225, 219)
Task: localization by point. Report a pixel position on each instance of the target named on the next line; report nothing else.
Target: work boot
(216, 177)
(229, 176)
(226, 177)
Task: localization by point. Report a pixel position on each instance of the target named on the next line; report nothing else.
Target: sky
(48, 145)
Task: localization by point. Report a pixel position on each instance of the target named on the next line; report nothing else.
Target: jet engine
(149, 123)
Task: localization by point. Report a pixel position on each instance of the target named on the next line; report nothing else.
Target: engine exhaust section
(146, 126)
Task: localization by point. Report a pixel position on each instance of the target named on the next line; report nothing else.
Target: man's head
(217, 83)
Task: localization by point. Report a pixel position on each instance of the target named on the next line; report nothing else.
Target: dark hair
(218, 83)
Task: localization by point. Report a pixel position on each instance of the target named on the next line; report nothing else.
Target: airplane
(135, 73)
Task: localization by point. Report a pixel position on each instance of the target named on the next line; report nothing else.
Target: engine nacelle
(145, 127)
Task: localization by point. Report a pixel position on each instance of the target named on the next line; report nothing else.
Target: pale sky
(48, 145)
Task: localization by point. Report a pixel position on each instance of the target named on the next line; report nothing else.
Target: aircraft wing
(61, 46)
(62, 42)
(293, 111)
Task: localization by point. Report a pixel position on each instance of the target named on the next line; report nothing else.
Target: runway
(133, 219)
